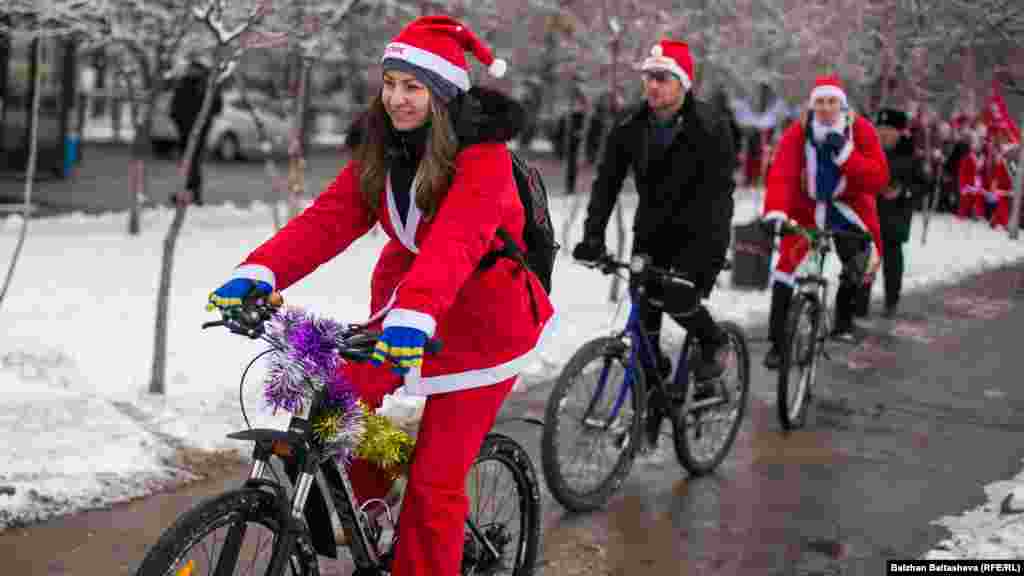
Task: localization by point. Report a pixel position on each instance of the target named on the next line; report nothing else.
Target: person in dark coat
(907, 182)
(682, 157)
(599, 121)
(186, 103)
(570, 138)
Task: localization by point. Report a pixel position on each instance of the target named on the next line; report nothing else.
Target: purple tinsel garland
(306, 350)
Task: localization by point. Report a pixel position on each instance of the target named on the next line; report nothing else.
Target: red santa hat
(671, 56)
(828, 86)
(433, 49)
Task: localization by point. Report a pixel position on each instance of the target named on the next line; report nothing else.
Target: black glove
(835, 142)
(589, 251)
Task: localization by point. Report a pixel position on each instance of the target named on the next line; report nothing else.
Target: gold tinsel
(384, 444)
(327, 426)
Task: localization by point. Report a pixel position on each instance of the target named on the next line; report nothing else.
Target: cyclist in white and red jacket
(826, 173)
(433, 170)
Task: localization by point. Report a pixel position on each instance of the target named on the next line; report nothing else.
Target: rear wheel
(703, 436)
(504, 507)
(799, 363)
(592, 425)
(233, 533)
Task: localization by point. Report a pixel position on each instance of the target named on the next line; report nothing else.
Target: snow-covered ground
(81, 430)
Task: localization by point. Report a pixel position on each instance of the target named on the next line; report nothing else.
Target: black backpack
(538, 233)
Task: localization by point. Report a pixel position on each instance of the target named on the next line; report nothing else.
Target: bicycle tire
(508, 453)
(609, 349)
(253, 504)
(793, 395)
(685, 451)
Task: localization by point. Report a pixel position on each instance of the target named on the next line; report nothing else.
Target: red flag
(996, 115)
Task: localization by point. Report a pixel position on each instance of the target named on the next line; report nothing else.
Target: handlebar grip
(275, 300)
(433, 346)
(213, 324)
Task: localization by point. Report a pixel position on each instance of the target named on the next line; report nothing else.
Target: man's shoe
(890, 310)
(773, 359)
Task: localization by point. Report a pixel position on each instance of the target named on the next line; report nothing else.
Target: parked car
(233, 134)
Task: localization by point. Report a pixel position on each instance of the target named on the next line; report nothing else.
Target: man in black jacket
(682, 157)
(907, 181)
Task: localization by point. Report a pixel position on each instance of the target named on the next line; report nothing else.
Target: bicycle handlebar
(609, 265)
(249, 320)
(815, 234)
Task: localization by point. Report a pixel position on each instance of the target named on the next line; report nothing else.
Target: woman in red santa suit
(433, 170)
(826, 173)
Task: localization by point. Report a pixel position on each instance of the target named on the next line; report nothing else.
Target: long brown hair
(435, 170)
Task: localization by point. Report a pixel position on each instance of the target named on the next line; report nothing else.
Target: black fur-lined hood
(479, 115)
(485, 115)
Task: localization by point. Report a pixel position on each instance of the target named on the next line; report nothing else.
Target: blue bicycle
(602, 404)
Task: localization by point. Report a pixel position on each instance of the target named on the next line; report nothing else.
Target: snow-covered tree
(226, 22)
(36, 20)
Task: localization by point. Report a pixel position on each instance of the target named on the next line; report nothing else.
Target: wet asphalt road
(908, 426)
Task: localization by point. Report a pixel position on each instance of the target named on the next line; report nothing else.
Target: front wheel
(703, 436)
(504, 509)
(592, 425)
(234, 533)
(799, 363)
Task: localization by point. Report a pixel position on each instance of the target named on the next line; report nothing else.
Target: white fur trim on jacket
(256, 272)
(784, 278)
(844, 154)
(482, 376)
(411, 319)
(405, 231)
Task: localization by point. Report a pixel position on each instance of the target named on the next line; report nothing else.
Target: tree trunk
(297, 147)
(142, 144)
(278, 187)
(157, 378)
(30, 168)
(620, 218)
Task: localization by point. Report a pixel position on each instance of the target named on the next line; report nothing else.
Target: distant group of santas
(975, 157)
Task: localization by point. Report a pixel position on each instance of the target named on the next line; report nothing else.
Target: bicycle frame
(642, 354)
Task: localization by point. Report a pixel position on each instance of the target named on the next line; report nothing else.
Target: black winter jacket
(685, 194)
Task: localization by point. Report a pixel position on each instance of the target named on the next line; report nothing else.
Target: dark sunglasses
(659, 76)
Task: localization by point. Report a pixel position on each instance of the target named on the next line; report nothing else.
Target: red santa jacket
(969, 173)
(864, 168)
(426, 275)
(997, 181)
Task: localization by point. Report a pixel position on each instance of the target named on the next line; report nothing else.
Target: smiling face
(406, 100)
(826, 109)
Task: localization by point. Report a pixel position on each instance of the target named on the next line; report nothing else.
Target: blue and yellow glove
(234, 291)
(402, 346)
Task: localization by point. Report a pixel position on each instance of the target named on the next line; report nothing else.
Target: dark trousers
(571, 168)
(853, 254)
(683, 304)
(892, 269)
(194, 181)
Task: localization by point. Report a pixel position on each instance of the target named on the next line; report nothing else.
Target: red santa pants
(434, 509)
(1001, 215)
(971, 204)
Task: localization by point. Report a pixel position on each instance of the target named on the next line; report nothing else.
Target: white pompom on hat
(671, 56)
(438, 44)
